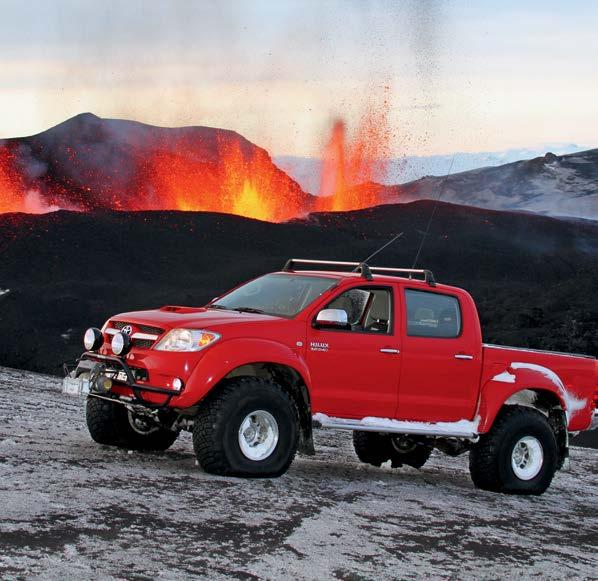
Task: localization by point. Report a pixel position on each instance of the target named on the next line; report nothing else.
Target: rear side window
(432, 315)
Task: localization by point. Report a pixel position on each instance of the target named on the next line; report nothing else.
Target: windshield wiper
(238, 309)
(249, 310)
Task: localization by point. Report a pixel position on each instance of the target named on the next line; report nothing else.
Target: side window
(432, 315)
(369, 310)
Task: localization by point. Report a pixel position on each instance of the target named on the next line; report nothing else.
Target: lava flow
(245, 183)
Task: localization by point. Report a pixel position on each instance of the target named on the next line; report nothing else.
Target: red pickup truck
(384, 352)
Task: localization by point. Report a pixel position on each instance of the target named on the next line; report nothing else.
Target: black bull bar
(110, 366)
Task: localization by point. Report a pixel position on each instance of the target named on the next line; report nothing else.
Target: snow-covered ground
(70, 509)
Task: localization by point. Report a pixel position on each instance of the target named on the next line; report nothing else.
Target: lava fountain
(12, 189)
(351, 167)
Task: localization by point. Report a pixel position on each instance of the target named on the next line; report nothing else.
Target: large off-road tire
(112, 424)
(375, 449)
(248, 427)
(371, 447)
(519, 455)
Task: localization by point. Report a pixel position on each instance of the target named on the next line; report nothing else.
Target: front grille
(141, 328)
(143, 343)
(139, 342)
(151, 330)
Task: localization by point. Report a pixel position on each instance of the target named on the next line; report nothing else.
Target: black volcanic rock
(534, 278)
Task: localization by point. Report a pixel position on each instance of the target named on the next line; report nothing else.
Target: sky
(449, 75)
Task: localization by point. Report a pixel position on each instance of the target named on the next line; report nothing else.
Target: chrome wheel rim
(527, 458)
(258, 435)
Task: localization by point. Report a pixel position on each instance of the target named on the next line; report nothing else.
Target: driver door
(355, 370)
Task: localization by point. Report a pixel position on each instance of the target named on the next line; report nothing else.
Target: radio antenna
(379, 250)
(441, 191)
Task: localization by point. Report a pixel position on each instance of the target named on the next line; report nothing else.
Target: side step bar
(462, 429)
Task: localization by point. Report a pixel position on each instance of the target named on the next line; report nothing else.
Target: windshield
(283, 295)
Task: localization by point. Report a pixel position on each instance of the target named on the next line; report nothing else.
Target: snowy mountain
(307, 170)
(565, 185)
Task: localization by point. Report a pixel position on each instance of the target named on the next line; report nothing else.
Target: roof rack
(360, 267)
(365, 269)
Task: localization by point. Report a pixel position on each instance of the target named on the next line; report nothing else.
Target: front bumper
(123, 377)
(594, 424)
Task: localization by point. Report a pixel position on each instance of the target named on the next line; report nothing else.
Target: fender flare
(221, 359)
(518, 377)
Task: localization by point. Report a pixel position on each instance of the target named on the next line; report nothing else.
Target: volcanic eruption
(87, 163)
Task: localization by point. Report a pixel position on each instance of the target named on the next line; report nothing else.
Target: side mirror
(332, 319)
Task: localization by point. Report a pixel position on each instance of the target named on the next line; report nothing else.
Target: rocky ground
(70, 509)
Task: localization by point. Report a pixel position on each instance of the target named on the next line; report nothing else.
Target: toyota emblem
(127, 330)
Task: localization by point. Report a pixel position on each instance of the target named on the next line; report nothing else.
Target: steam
(33, 203)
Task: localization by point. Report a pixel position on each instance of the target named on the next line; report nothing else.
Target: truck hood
(171, 317)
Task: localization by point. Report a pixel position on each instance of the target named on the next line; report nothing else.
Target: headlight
(93, 339)
(121, 344)
(187, 340)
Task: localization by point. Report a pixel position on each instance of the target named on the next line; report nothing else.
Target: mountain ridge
(87, 163)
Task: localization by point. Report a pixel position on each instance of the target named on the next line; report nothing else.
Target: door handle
(389, 350)
(463, 356)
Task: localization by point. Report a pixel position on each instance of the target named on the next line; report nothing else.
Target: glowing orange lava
(350, 167)
(244, 182)
(12, 190)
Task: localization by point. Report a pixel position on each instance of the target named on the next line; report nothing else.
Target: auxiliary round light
(93, 339)
(103, 384)
(177, 384)
(121, 344)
